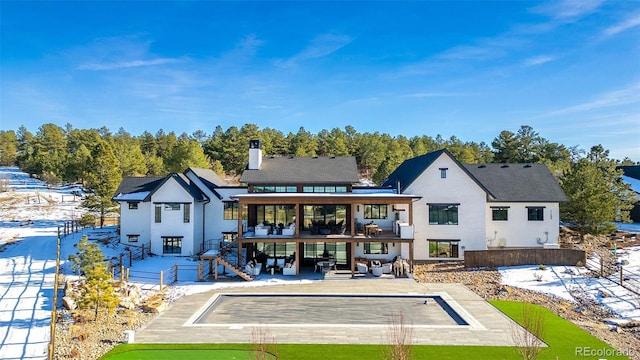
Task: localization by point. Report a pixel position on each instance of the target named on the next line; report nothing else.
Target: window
(500, 213)
(187, 213)
(172, 207)
(535, 213)
(133, 238)
(443, 173)
(443, 214)
(228, 236)
(324, 189)
(277, 189)
(230, 210)
(133, 206)
(158, 213)
(443, 248)
(375, 211)
(376, 248)
(171, 245)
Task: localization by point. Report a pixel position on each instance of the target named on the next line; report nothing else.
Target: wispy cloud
(115, 53)
(321, 46)
(622, 26)
(538, 60)
(625, 96)
(568, 9)
(127, 64)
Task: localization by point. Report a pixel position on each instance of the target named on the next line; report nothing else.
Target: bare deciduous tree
(263, 343)
(400, 336)
(528, 342)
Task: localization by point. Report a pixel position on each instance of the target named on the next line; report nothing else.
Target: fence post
(130, 258)
(127, 278)
(161, 276)
(142, 251)
(621, 276)
(601, 267)
(121, 272)
(199, 271)
(175, 271)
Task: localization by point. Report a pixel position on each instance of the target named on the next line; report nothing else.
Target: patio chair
(289, 270)
(362, 268)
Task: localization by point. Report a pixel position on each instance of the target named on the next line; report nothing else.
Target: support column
(297, 258)
(411, 255)
(353, 257)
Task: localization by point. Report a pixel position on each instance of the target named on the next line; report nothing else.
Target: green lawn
(563, 338)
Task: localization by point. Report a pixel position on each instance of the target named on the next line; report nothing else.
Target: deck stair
(222, 261)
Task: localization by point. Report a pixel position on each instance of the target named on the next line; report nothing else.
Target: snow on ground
(565, 282)
(30, 214)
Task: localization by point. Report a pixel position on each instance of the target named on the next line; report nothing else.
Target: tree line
(99, 158)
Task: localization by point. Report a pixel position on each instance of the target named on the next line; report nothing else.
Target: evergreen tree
(597, 196)
(8, 148)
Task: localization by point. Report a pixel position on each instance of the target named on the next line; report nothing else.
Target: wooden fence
(511, 257)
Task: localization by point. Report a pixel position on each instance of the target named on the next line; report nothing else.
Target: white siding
(134, 222)
(456, 188)
(172, 223)
(518, 231)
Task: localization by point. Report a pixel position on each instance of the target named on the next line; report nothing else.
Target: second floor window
(133, 206)
(187, 213)
(375, 211)
(500, 214)
(443, 214)
(535, 213)
(230, 210)
(158, 213)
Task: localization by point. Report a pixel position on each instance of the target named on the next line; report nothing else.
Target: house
(311, 212)
(162, 212)
(309, 209)
(631, 175)
(478, 206)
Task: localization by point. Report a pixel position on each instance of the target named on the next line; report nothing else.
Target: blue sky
(569, 69)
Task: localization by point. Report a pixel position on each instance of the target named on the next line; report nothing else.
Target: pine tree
(597, 196)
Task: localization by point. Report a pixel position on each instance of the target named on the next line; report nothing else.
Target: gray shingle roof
(518, 182)
(149, 184)
(410, 169)
(304, 170)
(208, 177)
(134, 184)
(501, 182)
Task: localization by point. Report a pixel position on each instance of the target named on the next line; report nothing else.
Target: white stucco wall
(135, 222)
(456, 188)
(518, 231)
(172, 221)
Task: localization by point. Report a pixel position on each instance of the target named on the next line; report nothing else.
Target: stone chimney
(255, 154)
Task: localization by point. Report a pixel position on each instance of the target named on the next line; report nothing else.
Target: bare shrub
(4, 184)
(528, 342)
(263, 343)
(400, 336)
(537, 276)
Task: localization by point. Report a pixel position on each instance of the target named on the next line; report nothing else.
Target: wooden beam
(353, 259)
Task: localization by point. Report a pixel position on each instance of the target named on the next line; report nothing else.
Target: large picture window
(444, 248)
(500, 213)
(443, 214)
(375, 211)
(376, 248)
(535, 213)
(230, 210)
(172, 245)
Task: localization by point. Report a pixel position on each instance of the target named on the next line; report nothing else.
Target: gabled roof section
(141, 188)
(405, 174)
(208, 177)
(136, 188)
(304, 170)
(410, 169)
(518, 182)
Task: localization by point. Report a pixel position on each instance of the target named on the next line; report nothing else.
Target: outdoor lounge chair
(362, 268)
(289, 269)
